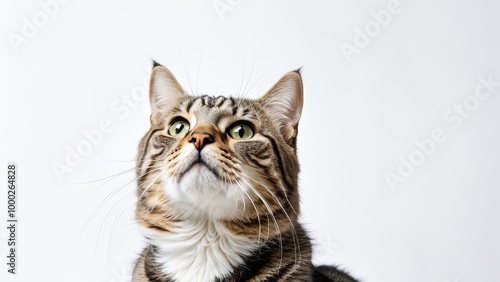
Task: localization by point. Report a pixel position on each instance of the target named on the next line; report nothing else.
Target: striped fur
(216, 208)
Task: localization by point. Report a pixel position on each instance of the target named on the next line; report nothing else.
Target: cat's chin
(201, 192)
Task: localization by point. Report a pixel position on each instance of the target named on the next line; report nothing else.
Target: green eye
(241, 131)
(179, 128)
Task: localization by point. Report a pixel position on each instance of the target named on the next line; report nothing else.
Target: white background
(362, 112)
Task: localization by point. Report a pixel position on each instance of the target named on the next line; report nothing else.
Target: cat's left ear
(284, 102)
(164, 91)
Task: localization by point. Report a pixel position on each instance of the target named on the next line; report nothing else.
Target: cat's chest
(200, 251)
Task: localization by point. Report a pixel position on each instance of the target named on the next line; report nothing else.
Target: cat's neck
(200, 250)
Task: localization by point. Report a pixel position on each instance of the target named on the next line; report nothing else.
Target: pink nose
(201, 139)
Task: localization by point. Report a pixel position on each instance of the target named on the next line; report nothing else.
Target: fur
(217, 189)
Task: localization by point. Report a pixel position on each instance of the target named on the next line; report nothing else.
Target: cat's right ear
(164, 91)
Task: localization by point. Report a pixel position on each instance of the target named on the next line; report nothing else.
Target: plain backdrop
(374, 90)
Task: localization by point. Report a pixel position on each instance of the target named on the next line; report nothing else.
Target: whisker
(157, 191)
(109, 159)
(260, 77)
(109, 196)
(103, 202)
(254, 206)
(153, 180)
(294, 232)
(250, 76)
(185, 69)
(121, 211)
(242, 79)
(283, 189)
(272, 216)
(101, 179)
(198, 75)
(106, 217)
(242, 199)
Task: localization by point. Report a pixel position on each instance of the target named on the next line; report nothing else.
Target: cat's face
(226, 158)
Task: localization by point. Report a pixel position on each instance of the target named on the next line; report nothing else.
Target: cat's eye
(179, 128)
(240, 131)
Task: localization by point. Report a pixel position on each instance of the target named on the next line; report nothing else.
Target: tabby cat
(217, 187)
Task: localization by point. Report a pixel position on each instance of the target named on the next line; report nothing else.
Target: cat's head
(230, 159)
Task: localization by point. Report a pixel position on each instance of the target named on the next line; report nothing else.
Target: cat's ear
(164, 91)
(284, 102)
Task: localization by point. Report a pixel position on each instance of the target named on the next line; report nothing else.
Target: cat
(218, 198)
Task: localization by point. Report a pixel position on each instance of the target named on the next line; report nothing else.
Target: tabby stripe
(282, 194)
(141, 177)
(276, 276)
(144, 176)
(149, 168)
(257, 163)
(156, 227)
(158, 154)
(287, 268)
(176, 110)
(222, 100)
(152, 269)
(280, 161)
(268, 177)
(264, 219)
(146, 146)
(189, 105)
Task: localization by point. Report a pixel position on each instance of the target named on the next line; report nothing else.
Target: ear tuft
(164, 91)
(284, 102)
(298, 70)
(156, 64)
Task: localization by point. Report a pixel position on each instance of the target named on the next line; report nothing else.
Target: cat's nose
(200, 139)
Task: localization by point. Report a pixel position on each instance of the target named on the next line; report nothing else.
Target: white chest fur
(200, 251)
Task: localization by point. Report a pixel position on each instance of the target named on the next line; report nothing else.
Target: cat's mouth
(199, 166)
